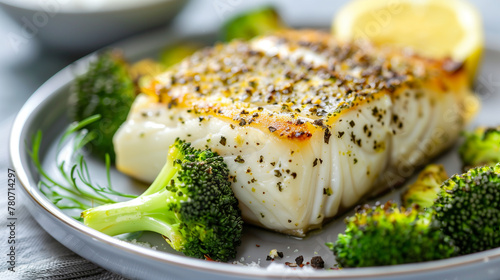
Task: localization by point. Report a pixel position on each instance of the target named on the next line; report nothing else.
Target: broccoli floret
(108, 89)
(389, 235)
(468, 209)
(481, 147)
(250, 24)
(105, 89)
(190, 204)
(424, 191)
(464, 218)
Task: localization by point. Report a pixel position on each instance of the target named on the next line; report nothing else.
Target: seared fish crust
(307, 125)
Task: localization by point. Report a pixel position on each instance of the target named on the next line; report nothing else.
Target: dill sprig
(77, 190)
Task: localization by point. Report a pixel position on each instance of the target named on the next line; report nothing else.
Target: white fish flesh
(307, 125)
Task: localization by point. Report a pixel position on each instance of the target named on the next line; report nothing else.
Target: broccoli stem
(167, 173)
(144, 213)
(190, 203)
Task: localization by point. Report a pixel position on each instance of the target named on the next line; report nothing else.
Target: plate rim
(61, 79)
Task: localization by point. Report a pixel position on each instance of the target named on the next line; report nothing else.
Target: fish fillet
(307, 125)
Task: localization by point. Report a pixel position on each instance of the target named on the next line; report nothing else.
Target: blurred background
(25, 62)
(34, 45)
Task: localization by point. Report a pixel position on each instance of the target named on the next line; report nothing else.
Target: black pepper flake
(319, 122)
(294, 175)
(222, 141)
(353, 137)
(317, 262)
(280, 187)
(232, 126)
(289, 221)
(340, 134)
(261, 159)
(280, 254)
(351, 123)
(327, 136)
(277, 173)
(268, 258)
(242, 122)
(239, 159)
(299, 260)
(272, 129)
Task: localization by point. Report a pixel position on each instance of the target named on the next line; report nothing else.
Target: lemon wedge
(433, 28)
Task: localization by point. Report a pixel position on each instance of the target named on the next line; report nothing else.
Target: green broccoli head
(250, 24)
(388, 235)
(105, 89)
(468, 209)
(481, 147)
(424, 191)
(190, 203)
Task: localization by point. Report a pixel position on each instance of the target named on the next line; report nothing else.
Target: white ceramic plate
(47, 110)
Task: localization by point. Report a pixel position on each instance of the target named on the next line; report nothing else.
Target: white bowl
(81, 26)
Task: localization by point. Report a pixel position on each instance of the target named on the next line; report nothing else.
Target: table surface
(24, 68)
